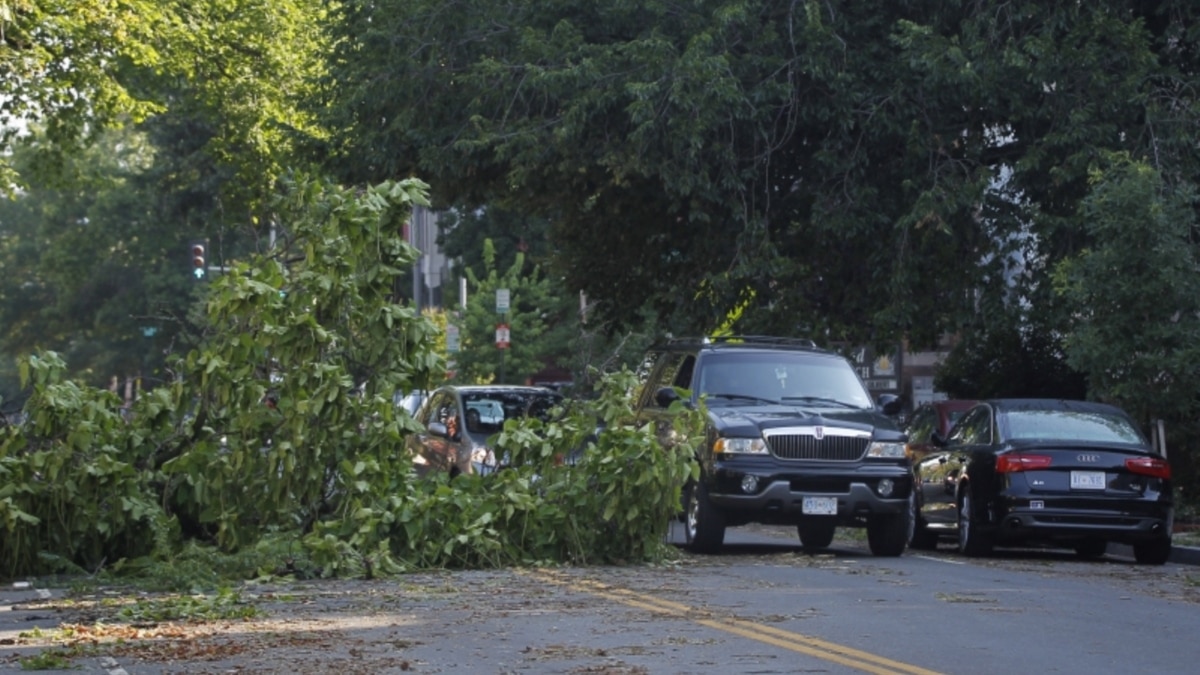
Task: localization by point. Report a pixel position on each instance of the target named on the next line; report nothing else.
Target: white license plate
(1087, 480)
(819, 506)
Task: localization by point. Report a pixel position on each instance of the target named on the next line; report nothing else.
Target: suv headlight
(881, 450)
(741, 446)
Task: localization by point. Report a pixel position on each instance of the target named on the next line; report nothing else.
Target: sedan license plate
(1087, 480)
(819, 506)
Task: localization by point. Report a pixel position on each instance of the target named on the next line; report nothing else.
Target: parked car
(1076, 474)
(460, 422)
(936, 417)
(793, 438)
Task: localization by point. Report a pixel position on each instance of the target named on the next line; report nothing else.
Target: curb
(1185, 555)
(1180, 555)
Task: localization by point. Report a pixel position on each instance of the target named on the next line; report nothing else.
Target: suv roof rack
(746, 340)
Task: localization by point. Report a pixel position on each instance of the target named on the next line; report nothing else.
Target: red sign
(502, 336)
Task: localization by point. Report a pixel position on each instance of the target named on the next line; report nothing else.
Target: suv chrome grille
(826, 444)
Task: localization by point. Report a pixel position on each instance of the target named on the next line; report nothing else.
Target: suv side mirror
(665, 396)
(889, 404)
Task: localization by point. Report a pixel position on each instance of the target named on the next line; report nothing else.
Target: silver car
(459, 421)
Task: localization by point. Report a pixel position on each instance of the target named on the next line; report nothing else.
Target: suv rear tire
(704, 525)
(888, 535)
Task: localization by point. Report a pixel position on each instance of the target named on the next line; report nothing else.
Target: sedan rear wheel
(921, 537)
(1153, 552)
(971, 541)
(1091, 548)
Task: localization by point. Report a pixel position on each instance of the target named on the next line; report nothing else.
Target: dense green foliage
(1022, 176)
(78, 67)
(74, 489)
(612, 507)
(97, 270)
(851, 171)
(1136, 292)
(305, 349)
(862, 168)
(537, 317)
(1135, 328)
(282, 421)
(147, 124)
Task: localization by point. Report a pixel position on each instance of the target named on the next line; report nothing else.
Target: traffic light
(199, 251)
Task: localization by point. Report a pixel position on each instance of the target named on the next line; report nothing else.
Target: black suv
(793, 438)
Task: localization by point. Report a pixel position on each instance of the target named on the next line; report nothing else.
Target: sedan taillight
(1154, 467)
(1015, 462)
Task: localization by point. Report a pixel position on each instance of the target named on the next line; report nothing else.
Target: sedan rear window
(1073, 425)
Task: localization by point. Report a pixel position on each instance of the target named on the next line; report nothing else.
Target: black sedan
(1069, 473)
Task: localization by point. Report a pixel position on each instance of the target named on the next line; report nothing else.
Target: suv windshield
(780, 376)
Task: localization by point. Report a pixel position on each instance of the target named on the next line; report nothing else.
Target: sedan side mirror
(890, 404)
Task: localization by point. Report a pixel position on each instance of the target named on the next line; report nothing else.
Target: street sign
(502, 336)
(451, 338)
(502, 298)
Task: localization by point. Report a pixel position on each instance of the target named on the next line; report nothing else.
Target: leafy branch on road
(278, 440)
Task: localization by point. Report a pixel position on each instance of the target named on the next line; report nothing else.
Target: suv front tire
(704, 526)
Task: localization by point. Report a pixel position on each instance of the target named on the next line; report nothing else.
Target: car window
(921, 425)
(953, 416)
(683, 374)
(1073, 425)
(646, 367)
(487, 411)
(446, 412)
(974, 428)
(429, 409)
(672, 369)
(412, 401)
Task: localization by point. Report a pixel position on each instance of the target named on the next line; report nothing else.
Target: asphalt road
(761, 607)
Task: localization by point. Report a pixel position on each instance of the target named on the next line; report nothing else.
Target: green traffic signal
(199, 250)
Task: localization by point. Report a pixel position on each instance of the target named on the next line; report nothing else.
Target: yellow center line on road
(796, 642)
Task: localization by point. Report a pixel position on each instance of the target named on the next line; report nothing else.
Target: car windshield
(780, 376)
(1073, 425)
(486, 411)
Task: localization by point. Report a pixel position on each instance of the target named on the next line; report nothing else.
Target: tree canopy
(539, 335)
(128, 128)
(76, 67)
(1022, 175)
(853, 167)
